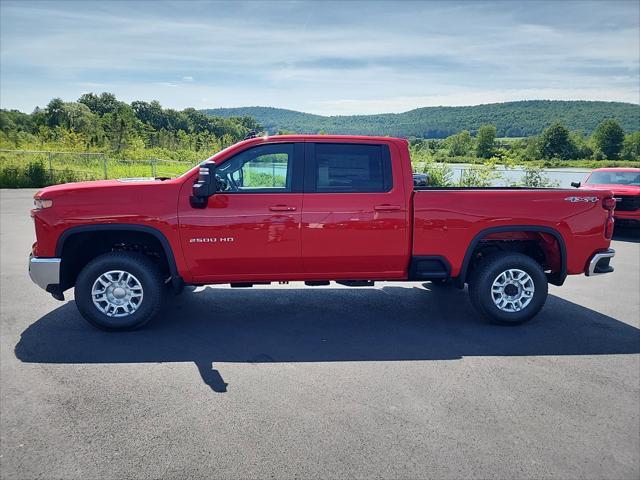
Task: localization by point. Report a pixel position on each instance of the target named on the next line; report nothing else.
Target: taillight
(609, 203)
(608, 229)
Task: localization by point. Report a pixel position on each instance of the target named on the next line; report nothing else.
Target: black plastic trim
(603, 266)
(415, 273)
(555, 279)
(166, 246)
(56, 291)
(356, 283)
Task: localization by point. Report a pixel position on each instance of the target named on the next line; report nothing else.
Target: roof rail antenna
(251, 134)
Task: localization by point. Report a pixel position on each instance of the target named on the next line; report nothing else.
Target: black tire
(145, 271)
(488, 271)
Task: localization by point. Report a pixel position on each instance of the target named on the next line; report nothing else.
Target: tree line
(144, 130)
(556, 142)
(511, 119)
(104, 123)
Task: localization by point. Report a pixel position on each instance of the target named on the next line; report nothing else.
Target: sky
(329, 58)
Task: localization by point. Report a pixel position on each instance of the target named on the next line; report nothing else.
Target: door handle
(282, 208)
(387, 208)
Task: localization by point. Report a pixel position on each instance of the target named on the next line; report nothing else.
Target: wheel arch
(555, 278)
(125, 228)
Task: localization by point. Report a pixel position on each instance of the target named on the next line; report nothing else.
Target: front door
(250, 228)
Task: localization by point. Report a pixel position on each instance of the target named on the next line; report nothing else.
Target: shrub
(535, 177)
(10, 177)
(480, 176)
(36, 174)
(440, 174)
(32, 175)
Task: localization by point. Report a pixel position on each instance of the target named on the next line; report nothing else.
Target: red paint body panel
(315, 236)
(446, 221)
(247, 237)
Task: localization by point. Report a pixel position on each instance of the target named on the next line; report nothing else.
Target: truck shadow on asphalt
(322, 325)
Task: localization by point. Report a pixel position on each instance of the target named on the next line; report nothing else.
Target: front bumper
(626, 215)
(45, 272)
(599, 263)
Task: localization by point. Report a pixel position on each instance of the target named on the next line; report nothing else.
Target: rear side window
(350, 168)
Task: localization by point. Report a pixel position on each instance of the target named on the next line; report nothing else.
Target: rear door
(355, 217)
(250, 228)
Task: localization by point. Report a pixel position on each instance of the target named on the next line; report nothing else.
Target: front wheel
(508, 288)
(119, 291)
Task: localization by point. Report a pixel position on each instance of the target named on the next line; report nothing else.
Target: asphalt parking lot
(397, 381)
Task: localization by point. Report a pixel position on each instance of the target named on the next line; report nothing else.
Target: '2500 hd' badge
(212, 240)
(582, 199)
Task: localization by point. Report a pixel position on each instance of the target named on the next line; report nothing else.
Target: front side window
(346, 168)
(265, 168)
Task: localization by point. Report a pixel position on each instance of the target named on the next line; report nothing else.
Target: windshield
(614, 178)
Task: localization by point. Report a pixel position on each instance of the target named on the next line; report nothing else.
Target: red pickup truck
(625, 185)
(313, 209)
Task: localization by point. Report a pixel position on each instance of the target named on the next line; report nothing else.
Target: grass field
(36, 169)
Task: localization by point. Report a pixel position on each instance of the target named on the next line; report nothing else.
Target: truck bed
(447, 221)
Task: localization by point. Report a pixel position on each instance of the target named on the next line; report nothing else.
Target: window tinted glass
(352, 168)
(259, 169)
(614, 178)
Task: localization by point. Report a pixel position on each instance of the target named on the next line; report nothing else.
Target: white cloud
(311, 56)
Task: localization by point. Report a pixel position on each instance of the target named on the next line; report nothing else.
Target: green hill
(512, 119)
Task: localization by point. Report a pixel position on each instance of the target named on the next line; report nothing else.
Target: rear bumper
(45, 272)
(599, 263)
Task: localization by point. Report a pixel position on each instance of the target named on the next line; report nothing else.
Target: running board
(356, 283)
(247, 284)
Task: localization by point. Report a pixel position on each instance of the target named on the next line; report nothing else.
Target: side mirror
(204, 187)
(576, 184)
(420, 180)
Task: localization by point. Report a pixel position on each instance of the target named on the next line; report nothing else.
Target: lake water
(562, 176)
(508, 176)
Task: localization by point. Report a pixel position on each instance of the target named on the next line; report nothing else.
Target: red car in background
(625, 184)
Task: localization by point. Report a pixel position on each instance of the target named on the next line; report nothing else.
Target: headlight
(40, 203)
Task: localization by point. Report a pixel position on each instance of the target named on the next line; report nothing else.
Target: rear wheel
(119, 291)
(508, 288)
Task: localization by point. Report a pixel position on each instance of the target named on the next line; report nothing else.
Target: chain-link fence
(32, 168)
(19, 167)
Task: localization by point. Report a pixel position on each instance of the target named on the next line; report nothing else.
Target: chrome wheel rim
(117, 293)
(512, 290)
